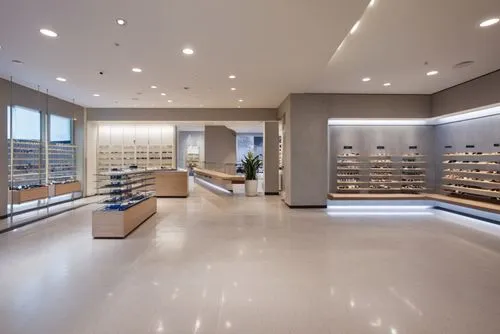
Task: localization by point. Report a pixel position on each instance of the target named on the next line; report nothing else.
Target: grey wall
(375, 106)
(220, 145)
(476, 93)
(186, 114)
(305, 151)
(29, 98)
(189, 138)
(395, 139)
(271, 157)
(307, 134)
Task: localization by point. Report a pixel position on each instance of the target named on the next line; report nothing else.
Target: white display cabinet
(145, 146)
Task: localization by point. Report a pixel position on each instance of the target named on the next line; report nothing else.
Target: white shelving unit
(144, 146)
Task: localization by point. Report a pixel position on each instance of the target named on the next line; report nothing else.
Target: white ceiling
(396, 37)
(274, 47)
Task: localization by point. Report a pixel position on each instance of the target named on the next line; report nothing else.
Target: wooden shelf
(28, 195)
(67, 188)
(480, 192)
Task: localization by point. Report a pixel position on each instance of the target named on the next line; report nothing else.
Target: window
(60, 129)
(25, 123)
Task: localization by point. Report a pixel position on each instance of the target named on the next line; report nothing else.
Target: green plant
(251, 164)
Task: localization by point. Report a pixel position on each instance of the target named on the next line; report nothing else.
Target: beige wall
(171, 115)
(476, 93)
(29, 98)
(220, 147)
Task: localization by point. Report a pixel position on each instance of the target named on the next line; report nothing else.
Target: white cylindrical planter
(251, 187)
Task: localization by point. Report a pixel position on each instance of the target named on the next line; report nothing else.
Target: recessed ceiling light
(170, 101)
(163, 94)
(121, 21)
(17, 61)
(61, 79)
(136, 70)
(97, 95)
(372, 2)
(154, 87)
(233, 88)
(489, 22)
(232, 76)
(188, 51)
(355, 27)
(48, 33)
(387, 84)
(366, 79)
(240, 100)
(433, 72)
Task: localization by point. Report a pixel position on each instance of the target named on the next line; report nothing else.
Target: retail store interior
(226, 166)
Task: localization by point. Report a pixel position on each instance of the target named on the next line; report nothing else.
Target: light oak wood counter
(171, 183)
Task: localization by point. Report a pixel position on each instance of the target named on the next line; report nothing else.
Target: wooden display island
(118, 224)
(171, 183)
(218, 178)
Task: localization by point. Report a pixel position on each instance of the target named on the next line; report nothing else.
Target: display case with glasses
(129, 201)
(472, 174)
(62, 173)
(26, 171)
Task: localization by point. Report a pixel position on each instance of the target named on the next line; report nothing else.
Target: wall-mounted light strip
(357, 121)
(467, 115)
(491, 110)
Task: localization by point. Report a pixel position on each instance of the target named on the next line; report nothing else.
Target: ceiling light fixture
(387, 84)
(170, 101)
(61, 79)
(366, 79)
(97, 95)
(136, 70)
(232, 76)
(17, 61)
(48, 33)
(233, 88)
(188, 51)
(240, 100)
(433, 72)
(121, 22)
(489, 22)
(163, 94)
(355, 27)
(372, 2)
(154, 87)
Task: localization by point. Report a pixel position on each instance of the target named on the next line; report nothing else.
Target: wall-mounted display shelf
(117, 157)
(128, 203)
(62, 163)
(472, 174)
(380, 172)
(26, 163)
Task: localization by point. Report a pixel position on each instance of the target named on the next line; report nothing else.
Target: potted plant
(251, 163)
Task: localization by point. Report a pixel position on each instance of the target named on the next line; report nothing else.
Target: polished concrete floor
(220, 264)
